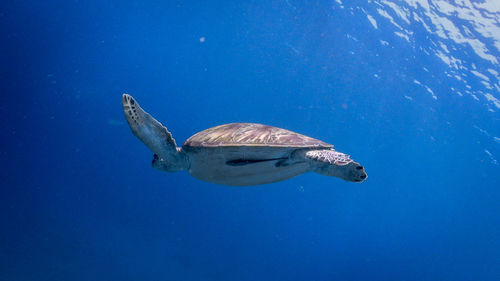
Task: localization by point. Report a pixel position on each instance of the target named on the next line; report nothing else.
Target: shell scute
(252, 134)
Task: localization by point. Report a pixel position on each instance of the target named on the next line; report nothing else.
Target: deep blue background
(80, 201)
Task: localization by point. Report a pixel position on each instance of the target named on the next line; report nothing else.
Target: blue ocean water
(410, 89)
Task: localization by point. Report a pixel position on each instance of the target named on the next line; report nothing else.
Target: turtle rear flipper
(151, 132)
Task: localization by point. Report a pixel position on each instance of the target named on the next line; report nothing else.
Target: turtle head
(351, 171)
(332, 163)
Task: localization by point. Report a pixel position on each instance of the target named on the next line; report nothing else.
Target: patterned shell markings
(252, 134)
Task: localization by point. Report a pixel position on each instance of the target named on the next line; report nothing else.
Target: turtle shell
(252, 134)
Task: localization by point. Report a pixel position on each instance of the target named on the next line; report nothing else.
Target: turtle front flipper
(333, 163)
(151, 132)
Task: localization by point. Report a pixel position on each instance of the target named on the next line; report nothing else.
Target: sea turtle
(239, 153)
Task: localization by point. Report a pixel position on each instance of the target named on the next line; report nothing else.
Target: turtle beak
(362, 177)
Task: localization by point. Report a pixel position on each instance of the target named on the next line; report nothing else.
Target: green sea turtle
(240, 153)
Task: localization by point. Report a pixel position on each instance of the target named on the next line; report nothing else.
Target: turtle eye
(359, 167)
